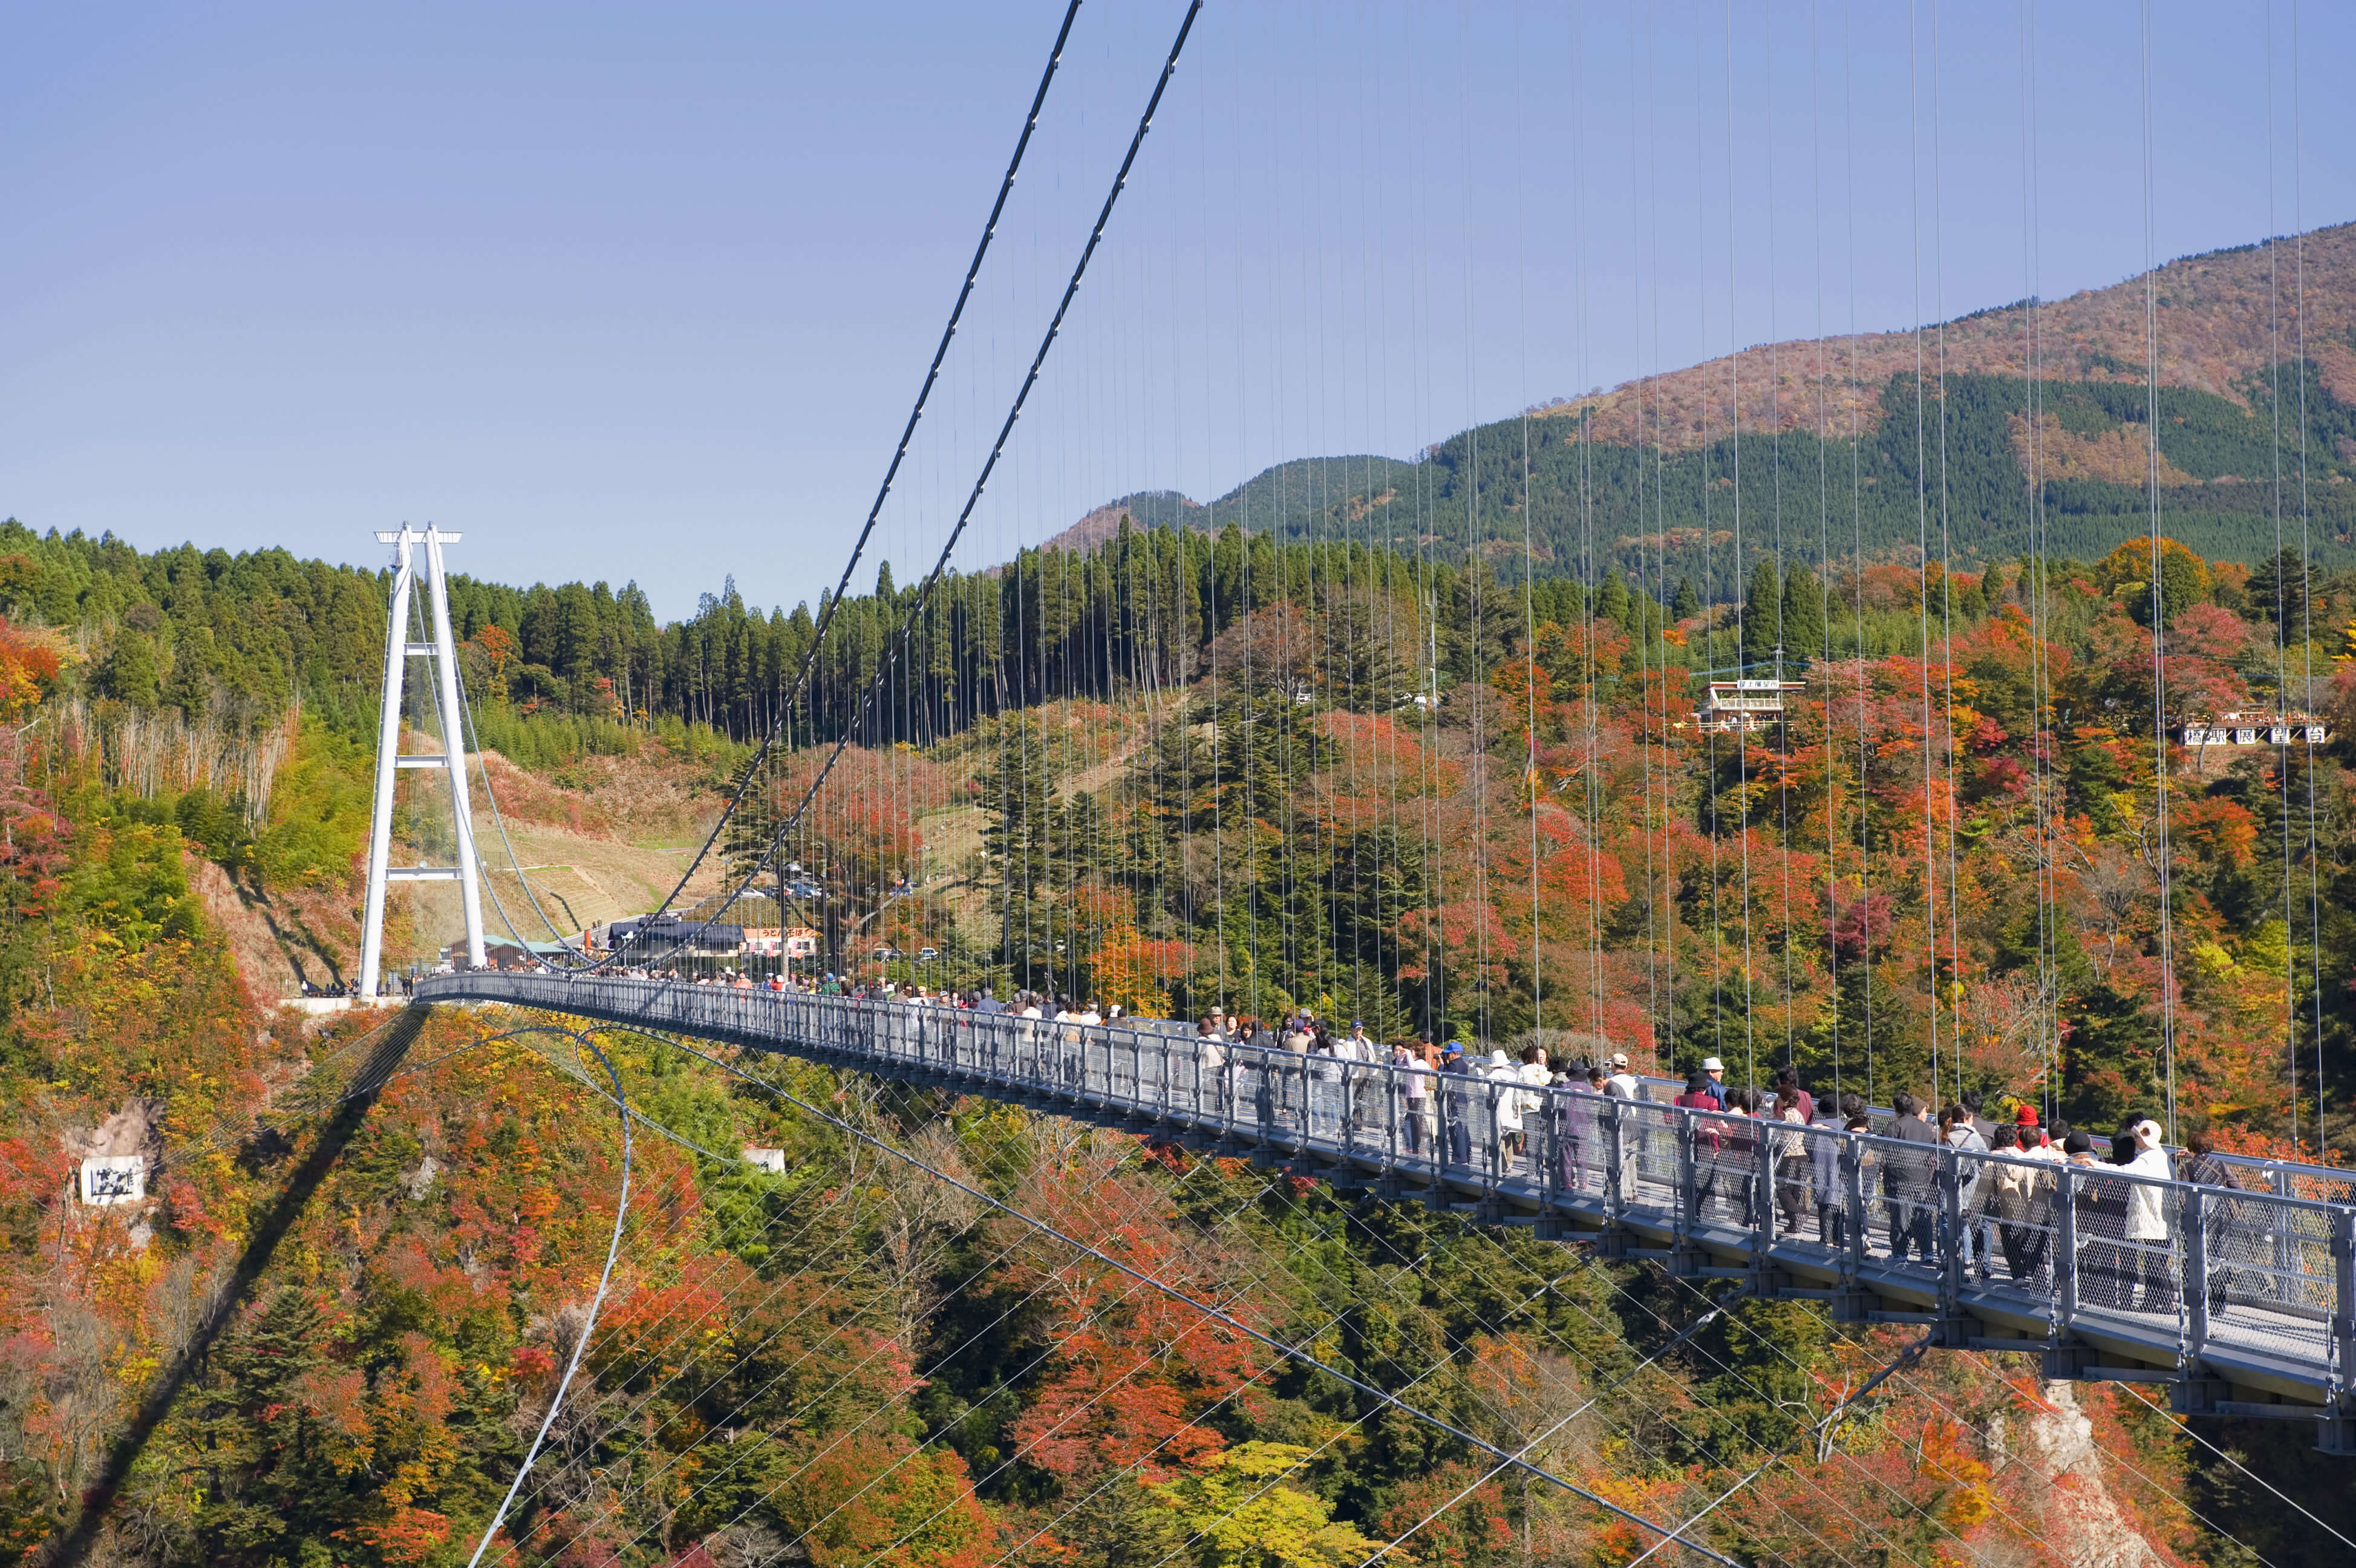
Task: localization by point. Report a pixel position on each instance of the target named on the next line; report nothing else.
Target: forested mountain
(1290, 501)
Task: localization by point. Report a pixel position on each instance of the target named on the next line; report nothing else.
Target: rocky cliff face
(2084, 1521)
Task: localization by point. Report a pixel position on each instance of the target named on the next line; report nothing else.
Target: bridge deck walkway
(2243, 1301)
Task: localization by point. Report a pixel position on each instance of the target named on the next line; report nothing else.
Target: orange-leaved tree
(1130, 1369)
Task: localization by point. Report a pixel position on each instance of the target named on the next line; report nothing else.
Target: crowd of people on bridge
(1827, 1158)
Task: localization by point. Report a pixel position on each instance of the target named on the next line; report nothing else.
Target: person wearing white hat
(1717, 1070)
(1620, 1084)
(2145, 1261)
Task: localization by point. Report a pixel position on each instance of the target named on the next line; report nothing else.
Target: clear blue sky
(644, 292)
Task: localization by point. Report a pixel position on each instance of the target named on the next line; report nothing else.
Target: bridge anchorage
(2239, 1300)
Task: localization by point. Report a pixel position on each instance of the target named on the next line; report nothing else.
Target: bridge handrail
(2220, 1269)
(2280, 1173)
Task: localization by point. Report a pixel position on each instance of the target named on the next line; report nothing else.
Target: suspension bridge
(2233, 1298)
(2241, 1302)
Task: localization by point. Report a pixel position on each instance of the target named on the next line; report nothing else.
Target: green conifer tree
(1803, 616)
(2110, 1064)
(266, 1486)
(1612, 599)
(2277, 592)
(129, 673)
(1763, 616)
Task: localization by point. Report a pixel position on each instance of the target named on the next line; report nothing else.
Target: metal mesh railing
(2264, 1270)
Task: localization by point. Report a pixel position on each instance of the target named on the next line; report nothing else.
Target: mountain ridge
(1642, 476)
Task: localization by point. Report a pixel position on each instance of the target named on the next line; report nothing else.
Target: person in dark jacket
(2202, 1165)
(1908, 1173)
(1824, 1156)
(2224, 1237)
(1977, 1104)
(1454, 1076)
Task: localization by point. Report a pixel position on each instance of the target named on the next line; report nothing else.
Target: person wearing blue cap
(1455, 1102)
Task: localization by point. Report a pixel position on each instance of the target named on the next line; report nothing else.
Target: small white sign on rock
(770, 1160)
(114, 1178)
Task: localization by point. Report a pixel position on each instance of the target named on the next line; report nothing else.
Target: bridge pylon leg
(409, 544)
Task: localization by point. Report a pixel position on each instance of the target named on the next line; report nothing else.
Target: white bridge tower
(417, 554)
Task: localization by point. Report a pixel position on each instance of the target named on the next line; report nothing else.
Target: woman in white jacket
(1506, 1103)
(1533, 1073)
(2149, 1262)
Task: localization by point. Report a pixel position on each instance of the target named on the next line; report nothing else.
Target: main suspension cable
(923, 597)
(829, 605)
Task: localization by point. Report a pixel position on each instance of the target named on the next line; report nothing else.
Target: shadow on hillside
(281, 942)
(74, 1548)
(294, 944)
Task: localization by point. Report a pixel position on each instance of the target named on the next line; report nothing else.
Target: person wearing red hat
(2032, 1136)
